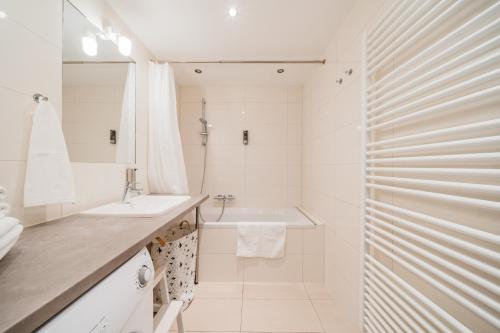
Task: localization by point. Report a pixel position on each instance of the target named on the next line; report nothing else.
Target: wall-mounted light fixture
(89, 45)
(3, 15)
(124, 45)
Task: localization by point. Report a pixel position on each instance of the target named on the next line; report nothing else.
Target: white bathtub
(293, 217)
(303, 261)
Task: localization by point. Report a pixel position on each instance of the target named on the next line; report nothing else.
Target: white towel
(261, 239)
(49, 178)
(3, 193)
(7, 241)
(7, 224)
(4, 209)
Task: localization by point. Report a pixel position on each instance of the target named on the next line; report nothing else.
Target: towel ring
(38, 97)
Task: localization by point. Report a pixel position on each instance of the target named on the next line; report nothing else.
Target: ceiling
(263, 29)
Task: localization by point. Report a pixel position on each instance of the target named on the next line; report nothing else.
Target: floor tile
(318, 291)
(331, 320)
(279, 316)
(213, 315)
(274, 291)
(218, 290)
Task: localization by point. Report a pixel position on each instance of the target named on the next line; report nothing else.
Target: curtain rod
(96, 62)
(323, 61)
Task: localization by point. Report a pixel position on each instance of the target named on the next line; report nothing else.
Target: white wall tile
(287, 269)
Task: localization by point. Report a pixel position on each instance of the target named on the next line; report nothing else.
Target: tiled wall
(33, 65)
(91, 110)
(267, 172)
(331, 159)
(303, 261)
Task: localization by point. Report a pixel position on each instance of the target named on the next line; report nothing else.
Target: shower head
(203, 121)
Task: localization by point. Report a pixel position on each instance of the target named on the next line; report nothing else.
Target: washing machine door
(121, 302)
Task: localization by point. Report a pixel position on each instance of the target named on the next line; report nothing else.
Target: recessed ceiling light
(232, 11)
(198, 71)
(281, 70)
(3, 14)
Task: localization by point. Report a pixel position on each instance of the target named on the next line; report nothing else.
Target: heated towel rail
(431, 213)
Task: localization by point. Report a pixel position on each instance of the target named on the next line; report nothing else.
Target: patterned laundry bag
(178, 254)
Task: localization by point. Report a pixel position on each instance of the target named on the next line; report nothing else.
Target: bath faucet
(130, 185)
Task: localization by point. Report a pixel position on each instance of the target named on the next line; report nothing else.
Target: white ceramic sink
(140, 206)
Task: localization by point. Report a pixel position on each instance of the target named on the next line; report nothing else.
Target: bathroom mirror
(98, 92)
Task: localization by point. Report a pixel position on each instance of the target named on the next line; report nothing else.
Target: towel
(266, 240)
(8, 240)
(49, 178)
(7, 224)
(3, 193)
(4, 209)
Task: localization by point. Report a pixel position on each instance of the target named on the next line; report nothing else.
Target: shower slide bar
(458, 36)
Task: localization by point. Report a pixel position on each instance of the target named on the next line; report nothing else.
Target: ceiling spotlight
(3, 15)
(198, 71)
(280, 71)
(232, 11)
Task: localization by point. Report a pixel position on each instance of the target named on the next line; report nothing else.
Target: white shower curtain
(125, 147)
(166, 169)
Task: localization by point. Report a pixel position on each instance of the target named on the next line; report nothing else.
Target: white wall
(33, 32)
(331, 163)
(267, 172)
(91, 108)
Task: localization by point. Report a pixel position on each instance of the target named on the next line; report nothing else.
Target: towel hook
(38, 97)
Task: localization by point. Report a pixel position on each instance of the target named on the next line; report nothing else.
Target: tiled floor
(259, 307)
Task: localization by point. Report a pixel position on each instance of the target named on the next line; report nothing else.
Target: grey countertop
(54, 263)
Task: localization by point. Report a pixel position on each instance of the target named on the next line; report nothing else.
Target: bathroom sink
(140, 206)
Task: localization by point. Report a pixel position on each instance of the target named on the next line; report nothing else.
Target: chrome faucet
(130, 185)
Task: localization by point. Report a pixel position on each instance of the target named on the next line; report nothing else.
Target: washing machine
(122, 303)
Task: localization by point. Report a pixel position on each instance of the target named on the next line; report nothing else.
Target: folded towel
(49, 178)
(7, 241)
(6, 249)
(3, 193)
(13, 234)
(7, 224)
(266, 240)
(4, 209)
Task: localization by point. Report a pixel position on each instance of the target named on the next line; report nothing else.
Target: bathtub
(293, 217)
(303, 260)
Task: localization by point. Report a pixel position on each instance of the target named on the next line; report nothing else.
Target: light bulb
(3, 15)
(124, 46)
(89, 45)
(232, 11)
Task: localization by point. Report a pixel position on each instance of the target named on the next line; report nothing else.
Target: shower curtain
(125, 147)
(166, 169)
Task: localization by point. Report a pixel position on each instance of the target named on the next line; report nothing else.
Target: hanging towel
(266, 240)
(4, 209)
(49, 178)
